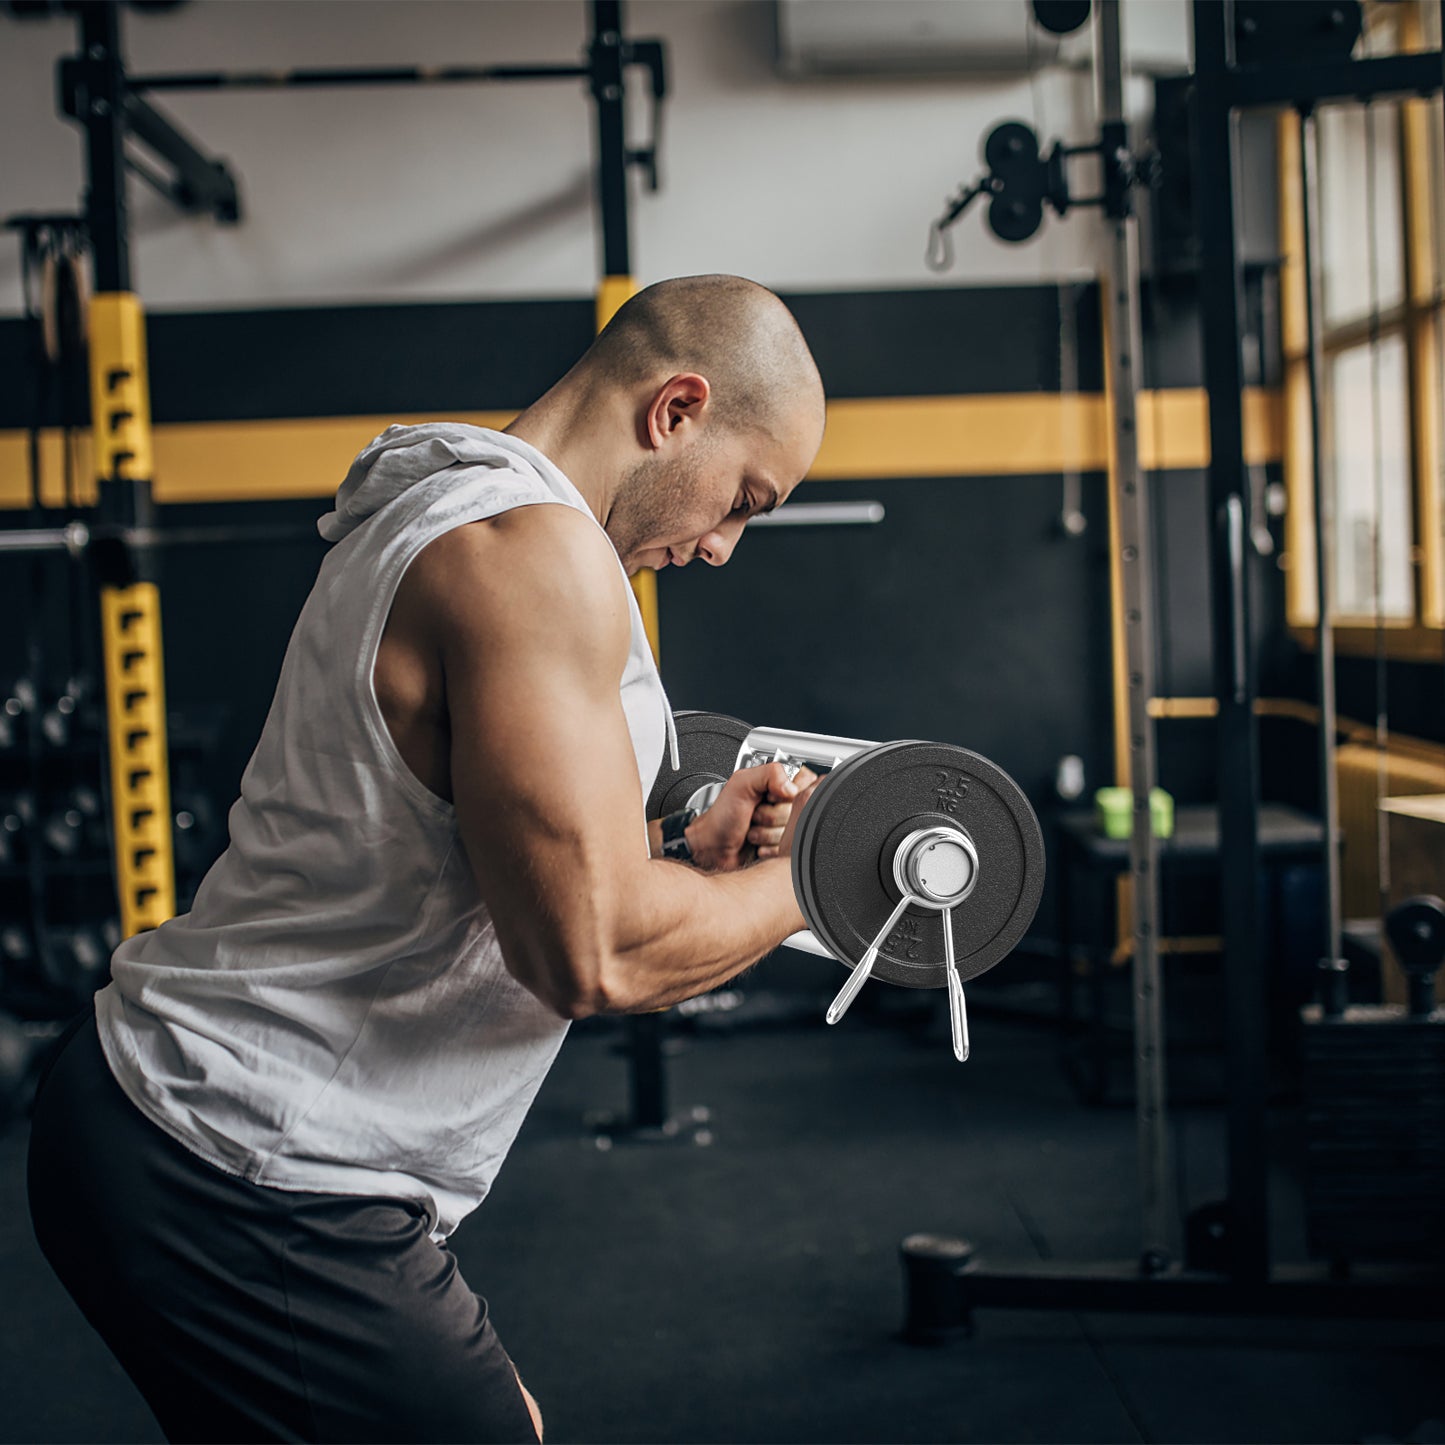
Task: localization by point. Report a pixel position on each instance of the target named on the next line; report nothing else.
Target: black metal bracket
(92, 86)
(650, 56)
(1021, 179)
(944, 1283)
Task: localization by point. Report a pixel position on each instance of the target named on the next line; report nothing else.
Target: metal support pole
(103, 107)
(1131, 508)
(1332, 963)
(608, 54)
(120, 420)
(1221, 301)
(608, 91)
(647, 1077)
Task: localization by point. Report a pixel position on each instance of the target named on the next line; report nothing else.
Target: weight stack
(1374, 1106)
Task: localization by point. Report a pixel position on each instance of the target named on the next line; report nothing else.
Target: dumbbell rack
(57, 891)
(59, 921)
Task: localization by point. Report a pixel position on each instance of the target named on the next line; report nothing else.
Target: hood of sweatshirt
(404, 455)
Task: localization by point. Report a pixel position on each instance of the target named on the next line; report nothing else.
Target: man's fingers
(772, 815)
(764, 781)
(790, 831)
(783, 788)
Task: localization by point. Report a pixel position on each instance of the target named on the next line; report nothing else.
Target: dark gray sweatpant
(249, 1313)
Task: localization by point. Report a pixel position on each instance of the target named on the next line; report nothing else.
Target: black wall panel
(967, 615)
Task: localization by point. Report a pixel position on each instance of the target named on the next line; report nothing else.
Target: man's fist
(750, 818)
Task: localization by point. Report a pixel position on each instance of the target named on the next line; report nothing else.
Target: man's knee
(533, 1409)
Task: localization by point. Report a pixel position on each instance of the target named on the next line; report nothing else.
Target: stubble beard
(647, 507)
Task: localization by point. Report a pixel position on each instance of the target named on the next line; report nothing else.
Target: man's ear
(677, 404)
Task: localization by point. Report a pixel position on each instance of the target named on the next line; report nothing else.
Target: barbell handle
(957, 1010)
(864, 970)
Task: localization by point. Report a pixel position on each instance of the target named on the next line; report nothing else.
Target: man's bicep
(544, 779)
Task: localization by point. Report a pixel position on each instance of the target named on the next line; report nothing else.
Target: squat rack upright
(121, 537)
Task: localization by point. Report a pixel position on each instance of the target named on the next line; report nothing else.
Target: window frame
(1420, 320)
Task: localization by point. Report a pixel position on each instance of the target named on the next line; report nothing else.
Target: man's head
(726, 410)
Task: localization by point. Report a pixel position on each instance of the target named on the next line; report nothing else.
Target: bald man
(246, 1167)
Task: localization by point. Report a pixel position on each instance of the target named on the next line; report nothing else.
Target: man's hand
(749, 818)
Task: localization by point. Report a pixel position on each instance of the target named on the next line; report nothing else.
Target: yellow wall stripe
(867, 439)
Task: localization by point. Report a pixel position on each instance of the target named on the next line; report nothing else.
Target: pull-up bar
(373, 75)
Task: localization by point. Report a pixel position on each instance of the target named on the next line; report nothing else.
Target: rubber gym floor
(751, 1290)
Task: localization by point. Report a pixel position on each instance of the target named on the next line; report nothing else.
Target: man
(246, 1168)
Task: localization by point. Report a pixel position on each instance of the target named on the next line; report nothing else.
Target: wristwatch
(674, 835)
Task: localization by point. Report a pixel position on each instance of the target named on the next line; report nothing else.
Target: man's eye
(744, 507)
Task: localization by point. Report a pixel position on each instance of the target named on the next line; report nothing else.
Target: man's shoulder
(540, 535)
(549, 560)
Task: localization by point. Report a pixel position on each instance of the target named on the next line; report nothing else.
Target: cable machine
(1247, 54)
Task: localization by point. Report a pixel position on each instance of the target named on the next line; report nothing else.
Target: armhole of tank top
(365, 680)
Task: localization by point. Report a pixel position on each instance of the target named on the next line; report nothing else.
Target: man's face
(695, 501)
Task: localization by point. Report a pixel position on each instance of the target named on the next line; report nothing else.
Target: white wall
(485, 191)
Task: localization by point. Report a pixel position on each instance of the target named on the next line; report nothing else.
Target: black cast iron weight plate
(849, 831)
(708, 744)
(805, 864)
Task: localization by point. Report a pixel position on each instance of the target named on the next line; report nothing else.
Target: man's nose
(716, 547)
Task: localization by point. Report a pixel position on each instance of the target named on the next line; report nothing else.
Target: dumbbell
(64, 713)
(1416, 929)
(916, 863)
(77, 825)
(76, 959)
(195, 833)
(16, 701)
(17, 821)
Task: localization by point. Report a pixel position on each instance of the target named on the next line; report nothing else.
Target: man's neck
(568, 428)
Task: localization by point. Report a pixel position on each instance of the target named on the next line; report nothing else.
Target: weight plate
(843, 863)
(803, 875)
(708, 744)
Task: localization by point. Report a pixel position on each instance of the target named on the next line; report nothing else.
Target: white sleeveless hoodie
(333, 1014)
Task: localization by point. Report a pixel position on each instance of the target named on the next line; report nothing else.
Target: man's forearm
(682, 932)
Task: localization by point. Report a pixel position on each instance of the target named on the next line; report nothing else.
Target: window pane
(1371, 473)
(1437, 329)
(1344, 211)
(1381, 31)
(1437, 188)
(1435, 606)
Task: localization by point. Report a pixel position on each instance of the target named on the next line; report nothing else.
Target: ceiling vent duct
(918, 37)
